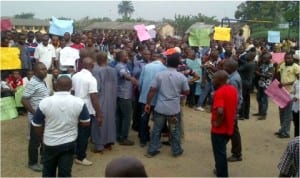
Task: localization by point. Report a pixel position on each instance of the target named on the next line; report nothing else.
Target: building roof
(120, 25)
(27, 22)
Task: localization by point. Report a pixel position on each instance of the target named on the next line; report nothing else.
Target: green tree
(125, 8)
(24, 15)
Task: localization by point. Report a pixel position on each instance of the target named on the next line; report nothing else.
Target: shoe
(36, 167)
(126, 143)
(234, 159)
(277, 133)
(97, 151)
(262, 118)
(166, 143)
(200, 109)
(84, 162)
(282, 135)
(152, 154)
(143, 145)
(256, 114)
(178, 154)
(241, 118)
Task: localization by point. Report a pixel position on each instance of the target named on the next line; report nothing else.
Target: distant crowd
(123, 83)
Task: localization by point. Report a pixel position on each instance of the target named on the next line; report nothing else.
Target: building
(162, 29)
(26, 25)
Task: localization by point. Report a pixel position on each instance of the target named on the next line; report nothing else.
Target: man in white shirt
(45, 52)
(60, 115)
(85, 87)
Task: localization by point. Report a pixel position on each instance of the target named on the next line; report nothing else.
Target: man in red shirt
(223, 113)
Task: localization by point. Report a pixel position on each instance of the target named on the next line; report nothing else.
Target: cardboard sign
(222, 34)
(199, 37)
(280, 96)
(273, 36)
(68, 56)
(278, 57)
(6, 25)
(59, 27)
(142, 32)
(10, 58)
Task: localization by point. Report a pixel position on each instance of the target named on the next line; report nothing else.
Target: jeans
(285, 115)
(33, 148)
(191, 97)
(123, 118)
(245, 108)
(144, 125)
(262, 100)
(205, 92)
(136, 112)
(219, 142)
(175, 139)
(236, 143)
(84, 133)
(60, 157)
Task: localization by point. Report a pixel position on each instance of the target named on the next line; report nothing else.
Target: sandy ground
(261, 150)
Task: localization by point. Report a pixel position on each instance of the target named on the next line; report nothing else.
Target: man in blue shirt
(168, 85)
(147, 75)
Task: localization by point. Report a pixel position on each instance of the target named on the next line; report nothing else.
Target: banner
(8, 108)
(199, 37)
(280, 96)
(278, 58)
(59, 27)
(68, 56)
(273, 36)
(142, 32)
(6, 25)
(222, 34)
(151, 30)
(10, 58)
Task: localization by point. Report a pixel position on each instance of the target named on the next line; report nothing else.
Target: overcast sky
(150, 10)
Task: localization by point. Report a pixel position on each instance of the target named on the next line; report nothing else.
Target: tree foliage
(24, 15)
(126, 9)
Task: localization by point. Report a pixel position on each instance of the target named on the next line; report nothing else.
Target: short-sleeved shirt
(288, 74)
(225, 97)
(61, 114)
(45, 54)
(35, 91)
(236, 81)
(124, 90)
(169, 84)
(84, 83)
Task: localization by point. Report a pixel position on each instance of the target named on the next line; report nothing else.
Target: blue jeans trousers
(285, 115)
(175, 139)
(123, 118)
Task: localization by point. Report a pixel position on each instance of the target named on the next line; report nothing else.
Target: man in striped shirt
(34, 92)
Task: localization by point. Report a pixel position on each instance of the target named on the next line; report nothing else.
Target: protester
(45, 53)
(125, 167)
(56, 123)
(35, 91)
(106, 76)
(85, 87)
(224, 110)
(168, 85)
(295, 106)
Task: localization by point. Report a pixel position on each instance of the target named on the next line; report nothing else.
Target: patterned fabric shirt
(289, 163)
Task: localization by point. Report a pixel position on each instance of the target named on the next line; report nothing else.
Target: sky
(149, 10)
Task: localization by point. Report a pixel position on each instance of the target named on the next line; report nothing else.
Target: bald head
(230, 66)
(125, 167)
(220, 78)
(88, 63)
(64, 83)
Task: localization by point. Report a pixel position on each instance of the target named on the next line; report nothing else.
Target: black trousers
(33, 147)
(245, 108)
(60, 157)
(296, 123)
(191, 97)
(236, 143)
(84, 132)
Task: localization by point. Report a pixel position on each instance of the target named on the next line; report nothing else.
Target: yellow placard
(9, 58)
(222, 34)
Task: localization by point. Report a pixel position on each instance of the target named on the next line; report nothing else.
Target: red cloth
(225, 97)
(14, 82)
(77, 46)
(6, 25)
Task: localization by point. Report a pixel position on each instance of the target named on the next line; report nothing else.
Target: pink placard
(142, 32)
(6, 24)
(280, 96)
(278, 57)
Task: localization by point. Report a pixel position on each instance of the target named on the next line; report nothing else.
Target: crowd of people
(122, 82)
